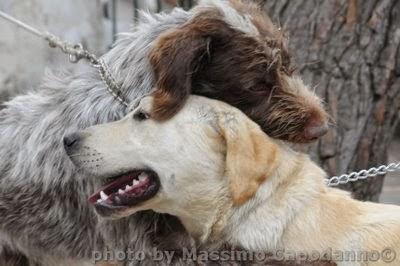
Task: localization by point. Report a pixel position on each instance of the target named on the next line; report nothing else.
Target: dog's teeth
(127, 187)
(143, 176)
(117, 200)
(135, 182)
(103, 195)
(99, 200)
(120, 191)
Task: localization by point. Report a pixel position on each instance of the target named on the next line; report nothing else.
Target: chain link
(361, 175)
(112, 85)
(75, 52)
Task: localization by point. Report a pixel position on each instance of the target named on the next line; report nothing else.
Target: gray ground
(391, 189)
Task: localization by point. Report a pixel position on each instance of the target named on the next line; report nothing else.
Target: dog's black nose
(71, 141)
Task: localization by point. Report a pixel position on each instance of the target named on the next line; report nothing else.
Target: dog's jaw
(208, 224)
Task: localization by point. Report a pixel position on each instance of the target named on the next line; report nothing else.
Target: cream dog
(227, 181)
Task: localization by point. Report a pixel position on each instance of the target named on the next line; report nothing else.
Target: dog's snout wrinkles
(71, 141)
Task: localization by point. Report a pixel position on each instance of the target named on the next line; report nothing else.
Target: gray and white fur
(44, 212)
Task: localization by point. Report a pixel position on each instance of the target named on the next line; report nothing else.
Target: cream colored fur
(227, 181)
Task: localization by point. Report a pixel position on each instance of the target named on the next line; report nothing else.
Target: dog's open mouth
(125, 191)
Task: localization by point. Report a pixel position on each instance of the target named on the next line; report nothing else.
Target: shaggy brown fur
(207, 56)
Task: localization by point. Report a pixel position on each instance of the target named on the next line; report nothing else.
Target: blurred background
(348, 50)
(94, 23)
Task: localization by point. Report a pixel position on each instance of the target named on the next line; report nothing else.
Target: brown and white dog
(228, 182)
(230, 50)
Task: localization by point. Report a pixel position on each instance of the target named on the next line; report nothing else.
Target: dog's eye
(140, 116)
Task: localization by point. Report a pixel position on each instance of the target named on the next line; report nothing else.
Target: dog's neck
(202, 217)
(208, 226)
(259, 224)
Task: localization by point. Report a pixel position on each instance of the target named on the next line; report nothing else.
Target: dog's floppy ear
(175, 57)
(250, 156)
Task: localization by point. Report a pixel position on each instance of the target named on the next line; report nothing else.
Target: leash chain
(361, 175)
(75, 52)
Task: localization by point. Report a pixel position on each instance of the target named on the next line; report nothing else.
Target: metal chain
(363, 174)
(112, 86)
(75, 53)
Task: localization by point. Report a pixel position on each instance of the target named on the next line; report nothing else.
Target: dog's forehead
(204, 115)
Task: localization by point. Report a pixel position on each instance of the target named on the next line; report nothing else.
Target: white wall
(23, 57)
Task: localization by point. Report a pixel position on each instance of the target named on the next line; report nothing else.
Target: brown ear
(174, 58)
(178, 54)
(250, 157)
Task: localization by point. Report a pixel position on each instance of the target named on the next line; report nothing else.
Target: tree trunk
(349, 50)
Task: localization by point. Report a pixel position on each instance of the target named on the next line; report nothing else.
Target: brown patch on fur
(287, 107)
(166, 104)
(250, 158)
(175, 57)
(207, 57)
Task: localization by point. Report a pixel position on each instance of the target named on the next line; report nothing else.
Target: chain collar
(112, 86)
